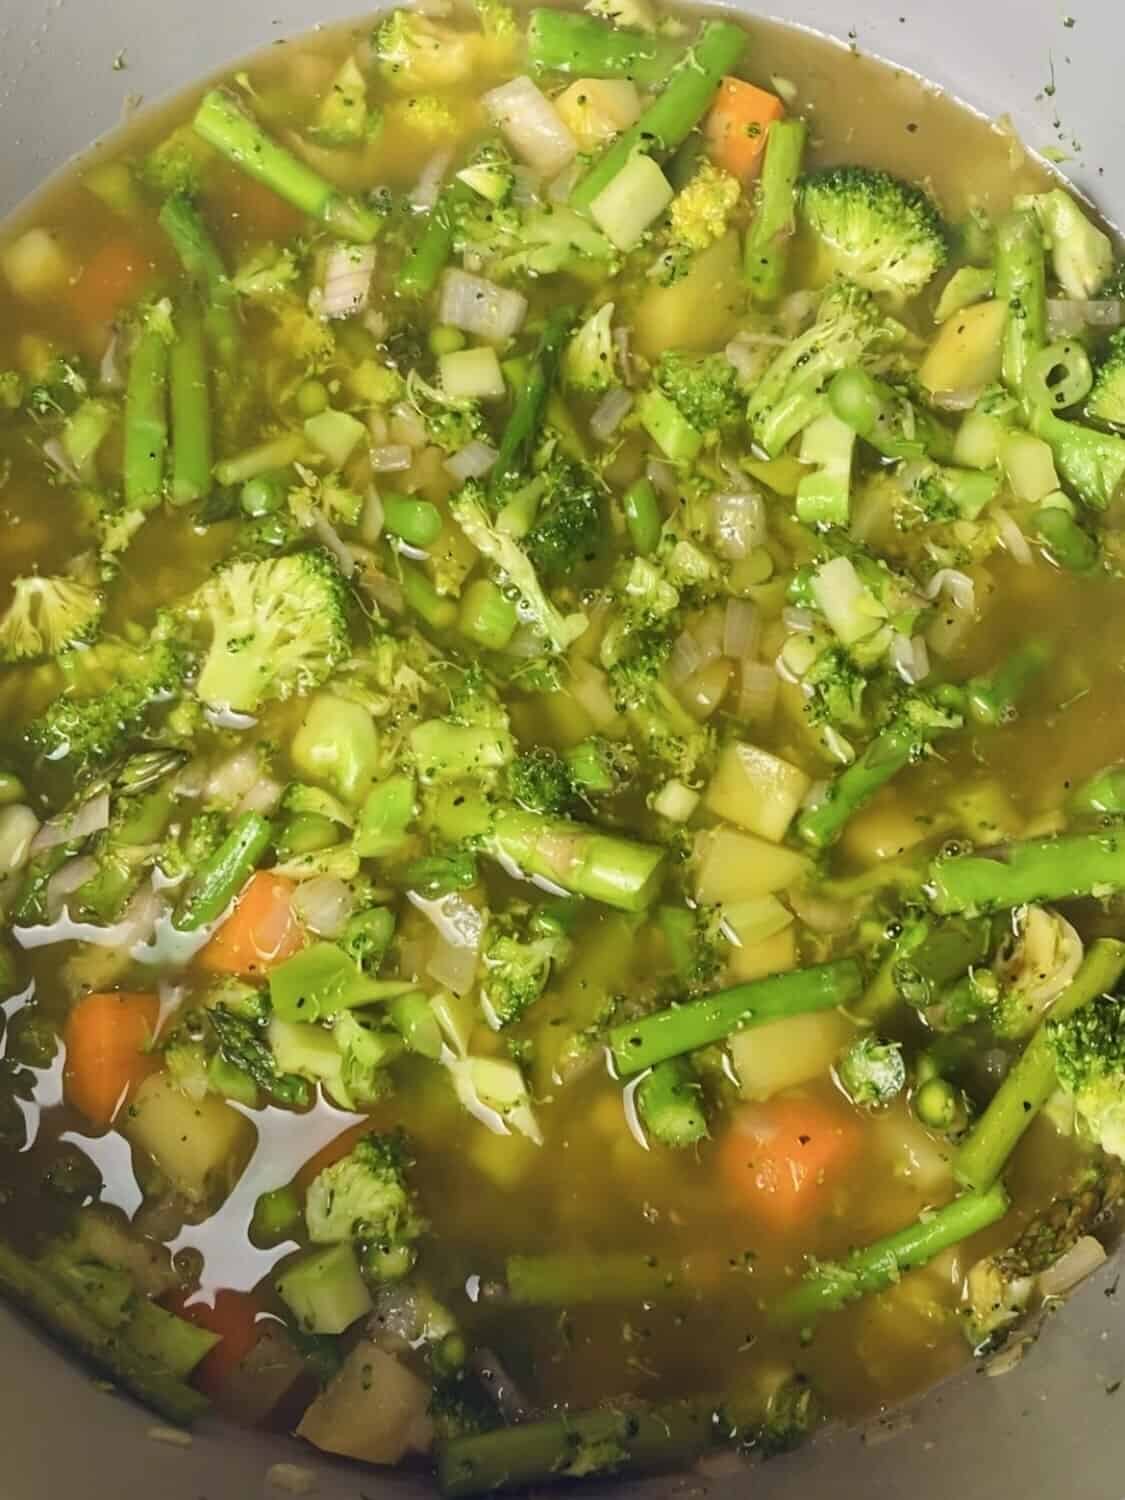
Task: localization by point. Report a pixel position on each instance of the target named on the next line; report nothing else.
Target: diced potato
(597, 108)
(986, 812)
(36, 265)
(700, 310)
(1030, 466)
(374, 1410)
(787, 1053)
(967, 352)
(886, 830)
(772, 955)
(758, 791)
(201, 1146)
(733, 866)
(916, 1158)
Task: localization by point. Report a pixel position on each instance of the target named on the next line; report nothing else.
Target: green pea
(445, 340)
(312, 398)
(264, 495)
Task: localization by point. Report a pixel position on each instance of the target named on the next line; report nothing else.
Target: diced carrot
(261, 931)
(113, 277)
(236, 1317)
(329, 1155)
(253, 205)
(737, 125)
(782, 1158)
(107, 1039)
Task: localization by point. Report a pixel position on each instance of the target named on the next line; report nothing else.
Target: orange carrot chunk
(236, 1318)
(110, 280)
(781, 1159)
(261, 931)
(737, 125)
(108, 1037)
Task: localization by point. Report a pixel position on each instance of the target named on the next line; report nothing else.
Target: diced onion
(391, 458)
(687, 656)
(371, 519)
(110, 377)
(233, 777)
(1011, 537)
(622, 351)
(796, 620)
(472, 461)
(910, 658)
(526, 186)
(796, 310)
(961, 398)
(479, 306)
(55, 454)
(959, 586)
(424, 193)
(609, 413)
(347, 280)
(757, 692)
(263, 796)
(662, 476)
(676, 802)
(407, 425)
(453, 967)
(323, 904)
(742, 629)
(738, 523)
(66, 880)
(91, 817)
(589, 687)
(532, 125)
(560, 188)
(819, 914)
(335, 544)
(1066, 315)
(1081, 1260)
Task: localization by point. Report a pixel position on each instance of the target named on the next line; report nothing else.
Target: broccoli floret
(540, 781)
(645, 602)
(342, 117)
(872, 1072)
(705, 389)
(834, 687)
(178, 164)
(850, 328)
(415, 53)
(882, 233)
(588, 362)
(1000, 1289)
(539, 241)
(365, 1196)
(700, 212)
(1089, 1050)
(1107, 399)
(451, 423)
(1081, 254)
(522, 946)
(266, 272)
(471, 512)
(426, 115)
(567, 526)
(276, 627)
(663, 728)
(46, 616)
(696, 944)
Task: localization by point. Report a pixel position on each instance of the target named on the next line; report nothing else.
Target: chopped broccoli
(1106, 402)
(701, 211)
(540, 781)
(451, 423)
(882, 233)
(364, 1196)
(276, 627)
(872, 1072)
(696, 946)
(834, 687)
(704, 388)
(415, 53)
(850, 328)
(266, 272)
(343, 117)
(588, 362)
(178, 164)
(1081, 254)
(60, 389)
(522, 946)
(663, 728)
(426, 115)
(46, 616)
(537, 241)
(1089, 1049)
(1091, 462)
(566, 530)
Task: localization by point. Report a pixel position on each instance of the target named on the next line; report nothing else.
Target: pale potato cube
(968, 350)
(374, 1410)
(772, 955)
(596, 109)
(201, 1146)
(700, 310)
(787, 1053)
(758, 791)
(733, 866)
(887, 830)
(36, 265)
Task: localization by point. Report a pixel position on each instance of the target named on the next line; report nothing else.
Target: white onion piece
(910, 658)
(622, 351)
(407, 425)
(687, 656)
(472, 461)
(110, 377)
(526, 186)
(959, 586)
(796, 310)
(796, 620)
(55, 454)
(263, 796)
(233, 777)
(456, 919)
(371, 519)
(323, 905)
(91, 817)
(742, 629)
(1068, 316)
(479, 306)
(66, 880)
(738, 523)
(740, 354)
(453, 967)
(532, 125)
(757, 692)
(589, 687)
(960, 399)
(347, 280)
(391, 458)
(560, 188)
(1011, 537)
(662, 476)
(1081, 1260)
(334, 542)
(609, 413)
(424, 193)
(819, 914)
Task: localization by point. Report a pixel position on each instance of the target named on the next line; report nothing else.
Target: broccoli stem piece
(575, 1278)
(992, 699)
(888, 753)
(50, 1302)
(1071, 546)
(766, 253)
(420, 270)
(670, 1104)
(146, 421)
(224, 124)
(561, 42)
(674, 113)
(181, 222)
(831, 1286)
(1021, 283)
(636, 1045)
(1030, 1082)
(522, 430)
(191, 412)
(1035, 870)
(222, 876)
(891, 423)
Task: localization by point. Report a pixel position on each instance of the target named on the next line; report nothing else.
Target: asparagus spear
(422, 267)
(829, 1286)
(559, 41)
(992, 699)
(766, 252)
(669, 1102)
(636, 1045)
(181, 222)
(219, 880)
(1031, 1081)
(146, 413)
(1049, 869)
(582, 860)
(191, 412)
(224, 124)
(51, 1303)
(675, 113)
(522, 431)
(1021, 283)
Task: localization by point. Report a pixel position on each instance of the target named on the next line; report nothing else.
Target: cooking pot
(1048, 1428)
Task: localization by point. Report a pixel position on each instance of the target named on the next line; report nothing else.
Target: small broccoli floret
(1089, 1052)
(497, 20)
(450, 422)
(700, 212)
(588, 362)
(540, 781)
(872, 1072)
(1107, 399)
(365, 1197)
(178, 164)
(705, 389)
(567, 528)
(849, 329)
(343, 117)
(426, 115)
(696, 945)
(882, 233)
(645, 600)
(521, 948)
(60, 389)
(415, 53)
(539, 241)
(266, 272)
(792, 1414)
(834, 687)
(46, 616)
(277, 626)
(663, 728)
(1081, 254)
